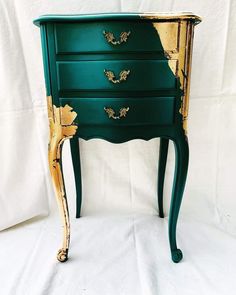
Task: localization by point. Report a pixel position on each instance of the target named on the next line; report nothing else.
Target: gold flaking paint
(173, 39)
(176, 36)
(188, 60)
(62, 127)
(168, 33)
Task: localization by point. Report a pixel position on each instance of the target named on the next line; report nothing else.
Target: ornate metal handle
(111, 76)
(111, 113)
(111, 38)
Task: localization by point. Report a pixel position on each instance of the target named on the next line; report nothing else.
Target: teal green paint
(89, 37)
(163, 152)
(75, 153)
(72, 18)
(144, 75)
(75, 54)
(88, 56)
(52, 63)
(142, 111)
(45, 59)
(55, 18)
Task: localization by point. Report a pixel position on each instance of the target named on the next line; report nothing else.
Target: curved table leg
(163, 152)
(58, 182)
(181, 168)
(75, 153)
(61, 128)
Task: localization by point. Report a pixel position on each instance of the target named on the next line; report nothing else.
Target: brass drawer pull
(111, 113)
(111, 38)
(111, 76)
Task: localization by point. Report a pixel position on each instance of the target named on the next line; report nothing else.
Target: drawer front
(142, 75)
(114, 37)
(121, 112)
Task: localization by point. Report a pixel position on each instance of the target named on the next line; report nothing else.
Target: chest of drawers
(118, 77)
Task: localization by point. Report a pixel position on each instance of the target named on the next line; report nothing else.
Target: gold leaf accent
(169, 34)
(62, 255)
(176, 36)
(62, 127)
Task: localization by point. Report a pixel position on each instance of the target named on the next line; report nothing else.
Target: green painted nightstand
(118, 77)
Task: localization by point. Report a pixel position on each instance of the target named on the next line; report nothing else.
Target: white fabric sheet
(119, 246)
(118, 255)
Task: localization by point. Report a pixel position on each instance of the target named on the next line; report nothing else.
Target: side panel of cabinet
(52, 63)
(44, 42)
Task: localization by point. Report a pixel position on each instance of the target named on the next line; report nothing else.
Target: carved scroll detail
(112, 114)
(122, 76)
(111, 38)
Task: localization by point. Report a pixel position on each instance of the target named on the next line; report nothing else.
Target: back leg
(163, 152)
(75, 154)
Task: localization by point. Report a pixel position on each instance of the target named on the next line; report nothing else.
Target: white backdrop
(119, 246)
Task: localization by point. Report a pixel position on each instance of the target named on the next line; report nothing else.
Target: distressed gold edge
(171, 16)
(171, 57)
(187, 70)
(186, 40)
(58, 134)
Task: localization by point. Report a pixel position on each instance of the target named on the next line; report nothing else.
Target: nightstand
(118, 77)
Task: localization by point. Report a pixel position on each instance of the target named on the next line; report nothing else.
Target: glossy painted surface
(89, 37)
(142, 111)
(89, 75)
(158, 54)
(124, 16)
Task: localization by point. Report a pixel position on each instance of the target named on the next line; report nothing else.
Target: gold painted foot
(62, 255)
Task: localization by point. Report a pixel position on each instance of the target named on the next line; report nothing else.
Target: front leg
(61, 128)
(181, 168)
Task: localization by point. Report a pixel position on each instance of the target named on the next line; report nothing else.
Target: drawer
(142, 75)
(121, 112)
(113, 36)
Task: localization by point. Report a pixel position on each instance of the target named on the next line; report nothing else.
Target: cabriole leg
(61, 128)
(75, 153)
(181, 168)
(55, 147)
(163, 151)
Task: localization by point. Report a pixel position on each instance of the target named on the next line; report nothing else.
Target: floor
(116, 255)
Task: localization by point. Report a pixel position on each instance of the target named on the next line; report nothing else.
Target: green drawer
(139, 111)
(89, 37)
(144, 75)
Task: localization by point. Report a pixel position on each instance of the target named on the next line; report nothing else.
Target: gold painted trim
(177, 16)
(178, 53)
(187, 74)
(62, 127)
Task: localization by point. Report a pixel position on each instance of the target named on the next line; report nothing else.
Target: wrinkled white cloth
(124, 253)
